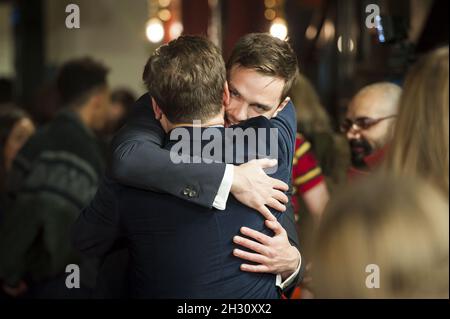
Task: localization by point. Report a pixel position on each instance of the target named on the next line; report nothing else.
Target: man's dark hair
(186, 78)
(124, 97)
(267, 55)
(79, 78)
(10, 115)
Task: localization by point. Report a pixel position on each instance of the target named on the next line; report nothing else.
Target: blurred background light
(329, 30)
(311, 32)
(270, 14)
(164, 3)
(154, 30)
(175, 30)
(279, 29)
(380, 29)
(348, 46)
(270, 3)
(164, 15)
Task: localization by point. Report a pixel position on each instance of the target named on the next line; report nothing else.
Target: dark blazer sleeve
(97, 229)
(286, 122)
(138, 160)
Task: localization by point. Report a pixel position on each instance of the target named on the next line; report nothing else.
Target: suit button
(187, 191)
(192, 193)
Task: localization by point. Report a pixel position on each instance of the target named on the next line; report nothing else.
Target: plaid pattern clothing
(55, 175)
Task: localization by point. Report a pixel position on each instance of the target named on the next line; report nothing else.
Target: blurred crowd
(373, 192)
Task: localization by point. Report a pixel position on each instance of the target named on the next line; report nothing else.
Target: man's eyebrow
(232, 88)
(263, 106)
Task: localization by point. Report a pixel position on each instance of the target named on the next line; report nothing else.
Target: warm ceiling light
(164, 15)
(175, 30)
(279, 29)
(164, 3)
(270, 14)
(349, 46)
(311, 32)
(270, 3)
(154, 30)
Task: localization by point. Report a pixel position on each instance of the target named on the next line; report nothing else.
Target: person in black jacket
(16, 127)
(53, 177)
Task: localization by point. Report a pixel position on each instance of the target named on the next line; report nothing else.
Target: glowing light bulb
(270, 3)
(279, 29)
(164, 3)
(164, 15)
(349, 46)
(270, 14)
(311, 32)
(175, 30)
(154, 30)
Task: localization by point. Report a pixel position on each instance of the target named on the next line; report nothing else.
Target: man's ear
(226, 95)
(156, 110)
(282, 106)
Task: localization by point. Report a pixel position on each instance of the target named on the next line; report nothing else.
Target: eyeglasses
(362, 123)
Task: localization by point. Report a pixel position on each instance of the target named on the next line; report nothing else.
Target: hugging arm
(138, 160)
(279, 254)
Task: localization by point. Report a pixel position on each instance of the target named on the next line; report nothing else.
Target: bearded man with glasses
(369, 124)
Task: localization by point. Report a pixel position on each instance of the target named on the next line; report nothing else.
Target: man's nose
(238, 114)
(353, 133)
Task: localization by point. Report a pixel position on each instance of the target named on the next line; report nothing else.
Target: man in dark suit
(155, 238)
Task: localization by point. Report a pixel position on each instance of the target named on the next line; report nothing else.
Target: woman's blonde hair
(397, 226)
(310, 112)
(420, 143)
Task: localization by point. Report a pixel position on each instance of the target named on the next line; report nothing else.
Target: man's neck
(217, 120)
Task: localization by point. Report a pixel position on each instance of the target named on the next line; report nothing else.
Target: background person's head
(370, 120)
(83, 87)
(16, 127)
(399, 225)
(187, 81)
(420, 144)
(261, 71)
(122, 101)
(311, 114)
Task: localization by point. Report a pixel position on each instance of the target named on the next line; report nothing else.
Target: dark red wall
(196, 15)
(242, 17)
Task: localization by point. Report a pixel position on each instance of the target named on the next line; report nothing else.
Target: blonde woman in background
(420, 145)
(386, 233)
(330, 148)
(321, 161)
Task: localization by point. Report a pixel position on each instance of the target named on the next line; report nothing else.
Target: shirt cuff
(220, 202)
(288, 281)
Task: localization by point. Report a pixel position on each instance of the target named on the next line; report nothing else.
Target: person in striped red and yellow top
(308, 180)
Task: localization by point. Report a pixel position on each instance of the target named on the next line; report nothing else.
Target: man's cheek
(231, 108)
(370, 142)
(271, 114)
(252, 112)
